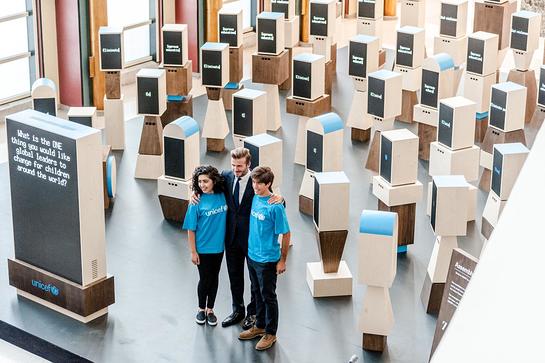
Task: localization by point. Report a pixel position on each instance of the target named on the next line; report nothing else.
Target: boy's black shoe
(201, 317)
(235, 318)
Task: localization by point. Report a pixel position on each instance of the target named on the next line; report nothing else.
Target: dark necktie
(236, 193)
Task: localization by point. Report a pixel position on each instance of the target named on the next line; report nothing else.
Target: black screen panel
(366, 9)
(430, 88)
(315, 151)
(302, 78)
(375, 97)
(541, 92)
(497, 169)
(498, 103)
(433, 205)
(174, 157)
(449, 20)
(110, 52)
(266, 40)
(281, 6)
(243, 116)
(211, 68)
(405, 49)
(254, 153)
(357, 59)
(444, 132)
(82, 120)
(318, 19)
(316, 203)
(475, 56)
(519, 33)
(172, 48)
(45, 105)
(148, 95)
(386, 158)
(228, 29)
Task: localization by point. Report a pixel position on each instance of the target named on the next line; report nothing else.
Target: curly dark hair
(212, 173)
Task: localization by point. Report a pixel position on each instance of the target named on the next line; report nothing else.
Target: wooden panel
(187, 12)
(113, 85)
(484, 182)
(236, 64)
(97, 17)
(305, 22)
(179, 80)
(360, 135)
(69, 53)
(409, 99)
(214, 93)
(373, 343)
(495, 136)
(215, 145)
(286, 86)
(374, 151)
(390, 8)
(151, 140)
(308, 108)
(306, 205)
(212, 9)
(270, 69)
(431, 295)
(83, 301)
(486, 228)
(426, 135)
(528, 80)
(495, 18)
(480, 129)
(329, 74)
(331, 247)
(406, 215)
(173, 209)
(177, 109)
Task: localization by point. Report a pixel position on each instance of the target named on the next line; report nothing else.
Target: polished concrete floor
(153, 317)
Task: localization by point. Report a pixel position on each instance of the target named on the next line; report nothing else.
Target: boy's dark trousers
(263, 277)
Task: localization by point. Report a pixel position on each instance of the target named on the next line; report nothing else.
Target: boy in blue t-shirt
(266, 259)
(205, 224)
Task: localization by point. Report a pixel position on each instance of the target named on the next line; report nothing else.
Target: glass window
(127, 12)
(15, 76)
(136, 42)
(11, 7)
(17, 41)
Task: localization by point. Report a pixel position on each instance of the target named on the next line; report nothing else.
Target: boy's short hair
(262, 174)
(241, 152)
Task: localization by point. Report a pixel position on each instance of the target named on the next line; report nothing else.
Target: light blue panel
(402, 249)
(270, 15)
(377, 222)
(188, 124)
(109, 174)
(214, 46)
(173, 98)
(331, 122)
(508, 86)
(481, 115)
(511, 148)
(445, 61)
(231, 85)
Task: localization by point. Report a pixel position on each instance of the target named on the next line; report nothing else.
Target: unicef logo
(52, 289)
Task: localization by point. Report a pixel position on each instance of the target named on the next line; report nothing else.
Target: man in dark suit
(239, 195)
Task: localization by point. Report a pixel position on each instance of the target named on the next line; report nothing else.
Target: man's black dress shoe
(248, 322)
(235, 318)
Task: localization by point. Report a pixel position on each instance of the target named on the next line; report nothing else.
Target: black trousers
(235, 256)
(263, 277)
(209, 270)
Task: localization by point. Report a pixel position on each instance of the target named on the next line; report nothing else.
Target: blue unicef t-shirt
(267, 221)
(208, 219)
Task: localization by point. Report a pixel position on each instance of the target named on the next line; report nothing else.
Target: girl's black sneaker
(201, 317)
(211, 319)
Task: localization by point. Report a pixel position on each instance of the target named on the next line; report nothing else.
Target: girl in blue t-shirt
(205, 223)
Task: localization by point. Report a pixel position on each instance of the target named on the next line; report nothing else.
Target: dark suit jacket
(238, 219)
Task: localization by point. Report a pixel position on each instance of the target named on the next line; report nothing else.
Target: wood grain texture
(333, 50)
(374, 153)
(426, 135)
(113, 85)
(80, 300)
(495, 18)
(305, 21)
(484, 182)
(270, 69)
(390, 8)
(495, 136)
(329, 75)
(360, 135)
(173, 209)
(236, 65)
(381, 58)
(331, 247)
(227, 96)
(286, 86)
(307, 108)
(306, 205)
(214, 93)
(151, 139)
(179, 79)
(98, 17)
(175, 110)
(409, 99)
(215, 145)
(212, 8)
(406, 215)
(373, 342)
(480, 129)
(486, 228)
(528, 80)
(431, 295)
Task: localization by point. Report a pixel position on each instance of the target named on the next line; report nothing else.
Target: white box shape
(44, 96)
(287, 7)
(270, 33)
(437, 79)
(114, 123)
(507, 106)
(412, 77)
(151, 91)
(83, 115)
(453, 20)
(377, 315)
(249, 106)
(413, 13)
(323, 16)
(230, 26)
(493, 209)
(444, 161)
(410, 47)
(363, 53)
(398, 195)
(215, 64)
(384, 94)
(111, 48)
(331, 201)
(426, 115)
(325, 143)
(181, 148)
(478, 89)
(455, 47)
(308, 79)
(456, 126)
(79, 253)
(398, 157)
(482, 53)
(449, 204)
(370, 9)
(507, 162)
(370, 27)
(266, 150)
(323, 284)
(174, 45)
(291, 32)
(377, 248)
(174, 187)
(525, 28)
